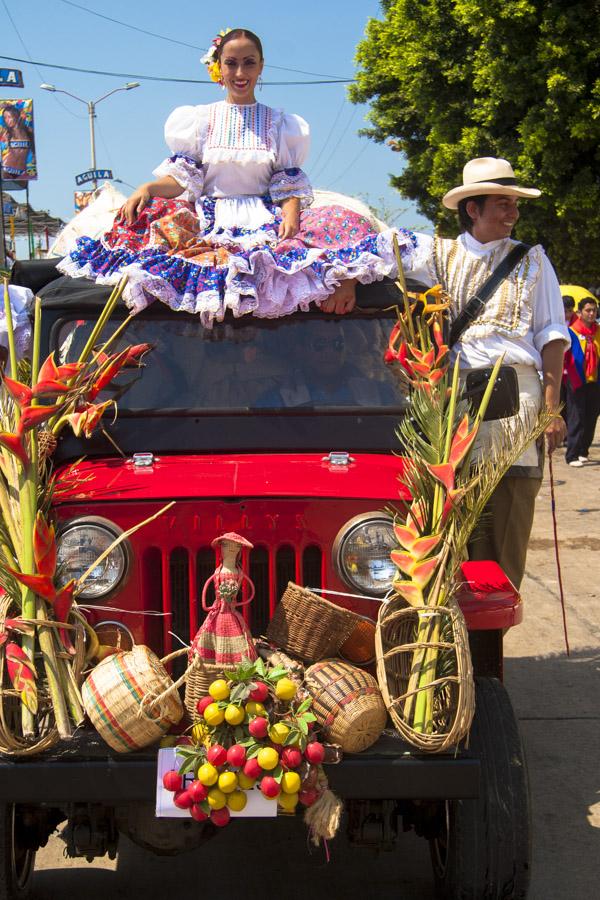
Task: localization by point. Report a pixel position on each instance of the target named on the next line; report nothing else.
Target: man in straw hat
(522, 320)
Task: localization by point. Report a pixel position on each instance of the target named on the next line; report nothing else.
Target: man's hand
(556, 433)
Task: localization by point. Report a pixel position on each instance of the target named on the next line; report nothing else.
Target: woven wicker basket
(347, 703)
(131, 700)
(359, 647)
(198, 678)
(308, 626)
(454, 689)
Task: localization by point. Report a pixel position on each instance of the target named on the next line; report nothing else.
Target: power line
(165, 78)
(348, 167)
(328, 138)
(17, 32)
(164, 37)
(339, 141)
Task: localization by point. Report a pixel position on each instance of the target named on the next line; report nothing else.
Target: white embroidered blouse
(524, 314)
(236, 155)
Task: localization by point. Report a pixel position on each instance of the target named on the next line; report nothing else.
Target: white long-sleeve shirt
(547, 319)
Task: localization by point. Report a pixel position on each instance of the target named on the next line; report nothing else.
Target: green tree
(449, 80)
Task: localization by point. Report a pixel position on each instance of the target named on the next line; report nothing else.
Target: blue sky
(317, 37)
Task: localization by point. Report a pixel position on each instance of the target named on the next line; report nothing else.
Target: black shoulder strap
(476, 304)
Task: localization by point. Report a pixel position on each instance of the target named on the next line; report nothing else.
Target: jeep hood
(368, 476)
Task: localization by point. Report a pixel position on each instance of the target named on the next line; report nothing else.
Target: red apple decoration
(197, 791)
(260, 692)
(252, 769)
(220, 817)
(197, 813)
(172, 781)
(236, 756)
(308, 796)
(217, 755)
(183, 800)
(315, 753)
(269, 787)
(202, 704)
(291, 758)
(258, 727)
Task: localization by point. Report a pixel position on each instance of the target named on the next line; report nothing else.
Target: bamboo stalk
(102, 319)
(12, 350)
(53, 679)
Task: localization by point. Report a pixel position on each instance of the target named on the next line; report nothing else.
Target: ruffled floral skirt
(177, 253)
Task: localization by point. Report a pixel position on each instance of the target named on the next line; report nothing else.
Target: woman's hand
(290, 215)
(140, 198)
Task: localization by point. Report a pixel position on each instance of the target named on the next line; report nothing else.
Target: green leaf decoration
(303, 726)
(304, 706)
(277, 773)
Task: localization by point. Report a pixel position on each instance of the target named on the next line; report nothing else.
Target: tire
(17, 862)
(483, 849)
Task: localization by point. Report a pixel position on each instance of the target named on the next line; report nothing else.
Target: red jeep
(283, 431)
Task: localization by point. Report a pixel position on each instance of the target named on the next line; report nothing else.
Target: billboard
(17, 146)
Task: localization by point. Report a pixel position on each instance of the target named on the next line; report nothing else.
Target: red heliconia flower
(18, 391)
(61, 605)
(44, 546)
(444, 472)
(436, 376)
(39, 584)
(49, 371)
(462, 441)
(22, 674)
(32, 416)
(85, 420)
(108, 371)
(14, 445)
(136, 353)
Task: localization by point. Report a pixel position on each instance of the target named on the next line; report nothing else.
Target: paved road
(557, 701)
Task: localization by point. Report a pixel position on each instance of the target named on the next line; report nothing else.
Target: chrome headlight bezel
(347, 531)
(124, 550)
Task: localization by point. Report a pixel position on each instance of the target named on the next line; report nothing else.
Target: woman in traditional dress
(228, 223)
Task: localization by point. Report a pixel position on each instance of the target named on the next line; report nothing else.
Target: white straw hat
(487, 175)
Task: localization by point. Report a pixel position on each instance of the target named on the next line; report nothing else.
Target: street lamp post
(91, 107)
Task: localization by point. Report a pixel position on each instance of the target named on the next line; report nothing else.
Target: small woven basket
(347, 703)
(131, 700)
(198, 678)
(308, 626)
(454, 689)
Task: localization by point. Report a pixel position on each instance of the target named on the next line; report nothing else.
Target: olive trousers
(504, 530)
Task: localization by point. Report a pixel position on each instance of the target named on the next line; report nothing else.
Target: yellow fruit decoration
(290, 783)
(289, 802)
(234, 715)
(213, 715)
(253, 708)
(219, 689)
(267, 758)
(207, 774)
(237, 801)
(278, 732)
(228, 782)
(199, 733)
(246, 783)
(216, 799)
(286, 689)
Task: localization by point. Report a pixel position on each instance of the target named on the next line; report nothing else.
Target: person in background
(569, 307)
(583, 390)
(570, 317)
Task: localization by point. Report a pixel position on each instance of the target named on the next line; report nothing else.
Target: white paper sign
(258, 806)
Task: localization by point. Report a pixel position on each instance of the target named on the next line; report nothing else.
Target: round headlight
(361, 553)
(83, 541)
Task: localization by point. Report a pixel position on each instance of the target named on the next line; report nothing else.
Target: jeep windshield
(292, 366)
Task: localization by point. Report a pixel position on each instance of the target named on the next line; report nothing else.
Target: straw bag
(453, 687)
(131, 700)
(308, 626)
(198, 678)
(347, 703)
